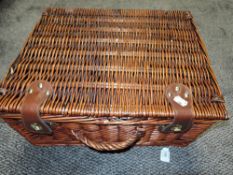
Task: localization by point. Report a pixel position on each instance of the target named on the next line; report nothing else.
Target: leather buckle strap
(180, 98)
(38, 93)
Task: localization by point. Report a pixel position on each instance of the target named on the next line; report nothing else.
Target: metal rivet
(40, 85)
(51, 123)
(177, 88)
(30, 91)
(177, 128)
(169, 94)
(36, 126)
(186, 94)
(12, 70)
(47, 93)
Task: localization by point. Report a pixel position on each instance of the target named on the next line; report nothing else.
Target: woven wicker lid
(114, 63)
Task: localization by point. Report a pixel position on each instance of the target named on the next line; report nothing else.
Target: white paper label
(182, 102)
(165, 155)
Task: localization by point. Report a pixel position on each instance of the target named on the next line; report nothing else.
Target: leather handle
(105, 146)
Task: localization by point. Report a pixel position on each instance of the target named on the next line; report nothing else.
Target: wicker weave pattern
(113, 63)
(111, 134)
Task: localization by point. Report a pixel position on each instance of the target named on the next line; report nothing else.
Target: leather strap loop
(37, 94)
(180, 98)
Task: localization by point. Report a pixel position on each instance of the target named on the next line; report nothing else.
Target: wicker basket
(111, 79)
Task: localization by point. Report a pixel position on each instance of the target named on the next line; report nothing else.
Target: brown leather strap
(180, 98)
(38, 93)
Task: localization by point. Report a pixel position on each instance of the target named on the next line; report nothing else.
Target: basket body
(111, 79)
(63, 135)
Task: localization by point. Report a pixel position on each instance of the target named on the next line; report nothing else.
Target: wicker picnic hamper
(111, 79)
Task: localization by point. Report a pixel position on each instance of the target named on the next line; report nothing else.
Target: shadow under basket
(112, 79)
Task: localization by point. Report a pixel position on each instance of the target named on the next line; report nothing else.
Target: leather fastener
(37, 94)
(180, 98)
